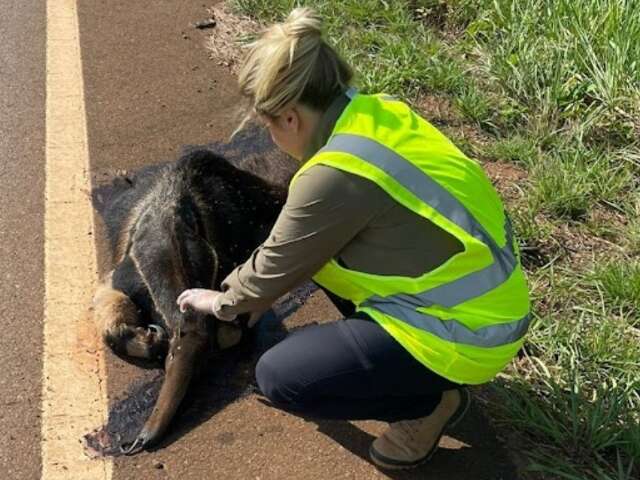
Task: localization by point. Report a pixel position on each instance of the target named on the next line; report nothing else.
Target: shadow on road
(471, 451)
(227, 377)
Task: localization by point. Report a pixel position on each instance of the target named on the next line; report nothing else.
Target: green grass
(442, 75)
(575, 401)
(570, 179)
(514, 149)
(572, 63)
(474, 105)
(576, 423)
(632, 237)
(619, 284)
(553, 87)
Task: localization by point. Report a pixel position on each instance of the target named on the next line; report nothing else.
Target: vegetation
(550, 87)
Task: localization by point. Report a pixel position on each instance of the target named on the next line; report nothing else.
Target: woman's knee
(276, 380)
(291, 372)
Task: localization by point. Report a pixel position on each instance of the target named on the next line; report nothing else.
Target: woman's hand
(204, 301)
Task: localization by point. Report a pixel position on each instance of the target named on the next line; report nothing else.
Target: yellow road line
(73, 386)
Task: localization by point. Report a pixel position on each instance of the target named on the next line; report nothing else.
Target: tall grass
(573, 65)
(570, 179)
(619, 284)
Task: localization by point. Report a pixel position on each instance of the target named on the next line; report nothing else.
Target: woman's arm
(325, 210)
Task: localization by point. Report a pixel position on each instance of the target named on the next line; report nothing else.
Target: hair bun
(291, 62)
(303, 21)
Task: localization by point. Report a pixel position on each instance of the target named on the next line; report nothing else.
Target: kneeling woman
(404, 232)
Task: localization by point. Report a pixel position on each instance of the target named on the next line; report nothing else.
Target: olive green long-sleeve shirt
(331, 213)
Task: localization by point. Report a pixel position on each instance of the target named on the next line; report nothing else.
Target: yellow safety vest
(466, 319)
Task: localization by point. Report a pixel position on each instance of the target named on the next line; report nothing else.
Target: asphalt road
(150, 92)
(22, 96)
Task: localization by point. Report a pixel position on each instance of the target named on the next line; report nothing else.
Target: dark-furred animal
(187, 227)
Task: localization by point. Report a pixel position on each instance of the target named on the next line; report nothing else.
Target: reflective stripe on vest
(351, 92)
(451, 330)
(472, 285)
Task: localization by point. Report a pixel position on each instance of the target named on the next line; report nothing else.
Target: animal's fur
(186, 228)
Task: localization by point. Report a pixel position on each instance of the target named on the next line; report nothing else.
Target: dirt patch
(507, 178)
(586, 248)
(438, 109)
(230, 33)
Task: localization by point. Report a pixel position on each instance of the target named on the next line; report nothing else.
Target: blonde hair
(291, 62)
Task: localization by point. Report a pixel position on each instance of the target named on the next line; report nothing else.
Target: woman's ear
(291, 120)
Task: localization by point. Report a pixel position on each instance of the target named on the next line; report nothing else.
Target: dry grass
(231, 31)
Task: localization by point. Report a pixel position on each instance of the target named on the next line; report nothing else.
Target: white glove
(204, 301)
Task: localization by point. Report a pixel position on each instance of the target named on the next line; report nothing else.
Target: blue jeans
(351, 369)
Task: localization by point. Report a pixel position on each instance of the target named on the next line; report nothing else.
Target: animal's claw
(135, 447)
(158, 329)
